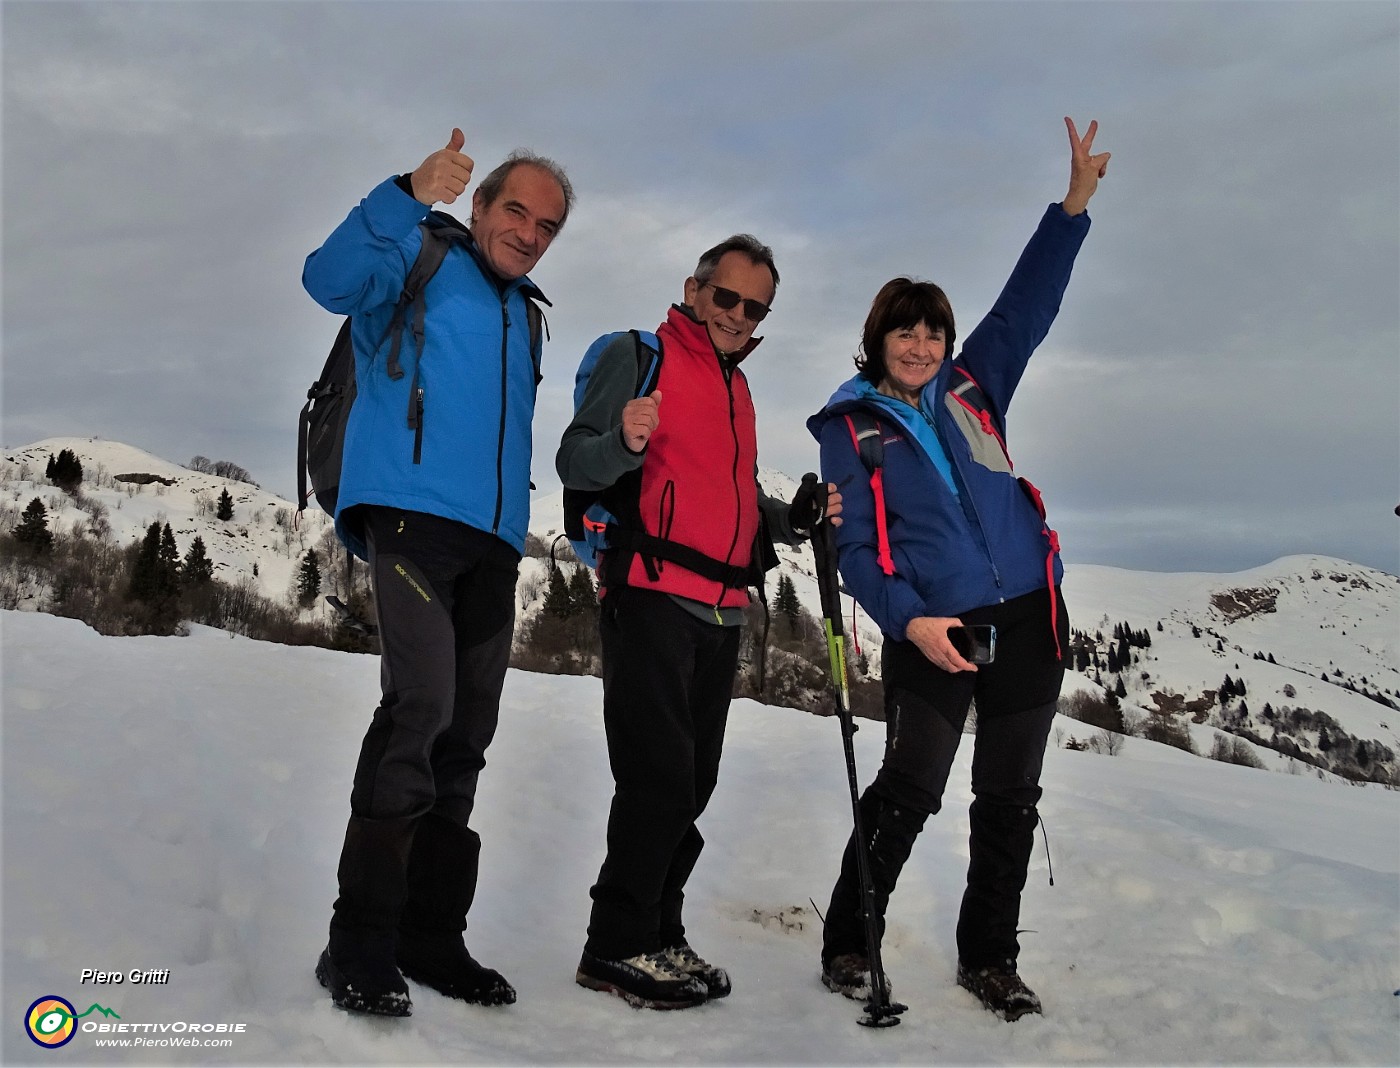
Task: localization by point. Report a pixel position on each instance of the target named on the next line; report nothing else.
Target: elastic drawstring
(1046, 839)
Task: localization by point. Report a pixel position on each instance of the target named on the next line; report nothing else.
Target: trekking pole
(880, 1011)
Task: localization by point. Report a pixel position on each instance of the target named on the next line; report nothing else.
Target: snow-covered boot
(849, 974)
(1000, 989)
(357, 966)
(442, 873)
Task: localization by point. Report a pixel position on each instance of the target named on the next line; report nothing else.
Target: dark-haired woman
(957, 540)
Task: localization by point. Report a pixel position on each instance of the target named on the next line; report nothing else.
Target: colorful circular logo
(51, 1022)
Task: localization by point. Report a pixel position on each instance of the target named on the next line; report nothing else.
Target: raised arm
(365, 261)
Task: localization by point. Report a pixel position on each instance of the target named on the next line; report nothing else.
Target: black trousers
(667, 679)
(446, 611)
(925, 709)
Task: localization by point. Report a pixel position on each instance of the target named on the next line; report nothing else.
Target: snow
(179, 803)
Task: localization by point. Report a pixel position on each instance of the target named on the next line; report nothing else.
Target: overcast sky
(1221, 387)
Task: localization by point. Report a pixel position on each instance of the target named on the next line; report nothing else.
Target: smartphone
(977, 645)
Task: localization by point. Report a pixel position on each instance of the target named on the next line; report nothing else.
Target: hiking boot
(716, 980)
(445, 965)
(848, 974)
(646, 981)
(364, 985)
(1000, 990)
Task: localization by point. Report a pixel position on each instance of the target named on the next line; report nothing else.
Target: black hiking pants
(446, 610)
(925, 709)
(667, 679)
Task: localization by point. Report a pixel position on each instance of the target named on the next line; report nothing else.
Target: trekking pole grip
(824, 551)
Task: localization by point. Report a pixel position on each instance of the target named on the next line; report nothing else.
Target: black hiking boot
(445, 965)
(684, 958)
(364, 985)
(646, 981)
(848, 974)
(1000, 991)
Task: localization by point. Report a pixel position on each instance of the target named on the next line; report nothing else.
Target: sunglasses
(754, 310)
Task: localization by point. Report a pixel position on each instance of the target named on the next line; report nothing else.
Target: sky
(1220, 389)
(1201, 913)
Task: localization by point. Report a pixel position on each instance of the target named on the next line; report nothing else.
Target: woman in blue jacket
(964, 543)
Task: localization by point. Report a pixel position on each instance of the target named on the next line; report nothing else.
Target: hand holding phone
(977, 644)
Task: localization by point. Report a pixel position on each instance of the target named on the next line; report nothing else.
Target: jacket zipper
(733, 472)
(418, 427)
(501, 433)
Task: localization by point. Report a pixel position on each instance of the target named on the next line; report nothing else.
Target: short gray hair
(491, 186)
(749, 245)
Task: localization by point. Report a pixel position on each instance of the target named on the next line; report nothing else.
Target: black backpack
(321, 428)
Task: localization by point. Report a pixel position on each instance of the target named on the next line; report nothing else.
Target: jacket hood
(857, 390)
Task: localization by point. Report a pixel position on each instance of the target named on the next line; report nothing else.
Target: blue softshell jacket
(477, 375)
(985, 543)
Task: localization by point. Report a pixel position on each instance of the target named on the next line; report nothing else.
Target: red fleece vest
(698, 485)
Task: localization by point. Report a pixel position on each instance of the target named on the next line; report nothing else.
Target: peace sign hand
(1085, 169)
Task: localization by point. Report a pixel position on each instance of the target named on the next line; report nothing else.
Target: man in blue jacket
(434, 493)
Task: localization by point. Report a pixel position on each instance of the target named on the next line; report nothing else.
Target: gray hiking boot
(646, 981)
(716, 980)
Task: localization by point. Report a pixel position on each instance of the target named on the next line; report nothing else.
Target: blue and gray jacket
(469, 457)
(963, 532)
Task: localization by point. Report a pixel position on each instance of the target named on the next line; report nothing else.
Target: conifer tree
(144, 583)
(786, 603)
(1119, 689)
(309, 580)
(66, 471)
(583, 595)
(557, 602)
(225, 512)
(33, 529)
(197, 568)
(168, 564)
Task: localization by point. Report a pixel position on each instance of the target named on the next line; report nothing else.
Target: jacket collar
(681, 319)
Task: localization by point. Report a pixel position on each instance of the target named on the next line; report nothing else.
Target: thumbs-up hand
(640, 417)
(444, 175)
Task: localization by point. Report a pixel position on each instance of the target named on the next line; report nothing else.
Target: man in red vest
(699, 532)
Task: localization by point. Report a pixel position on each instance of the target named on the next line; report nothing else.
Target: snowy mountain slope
(262, 531)
(1327, 623)
(178, 803)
